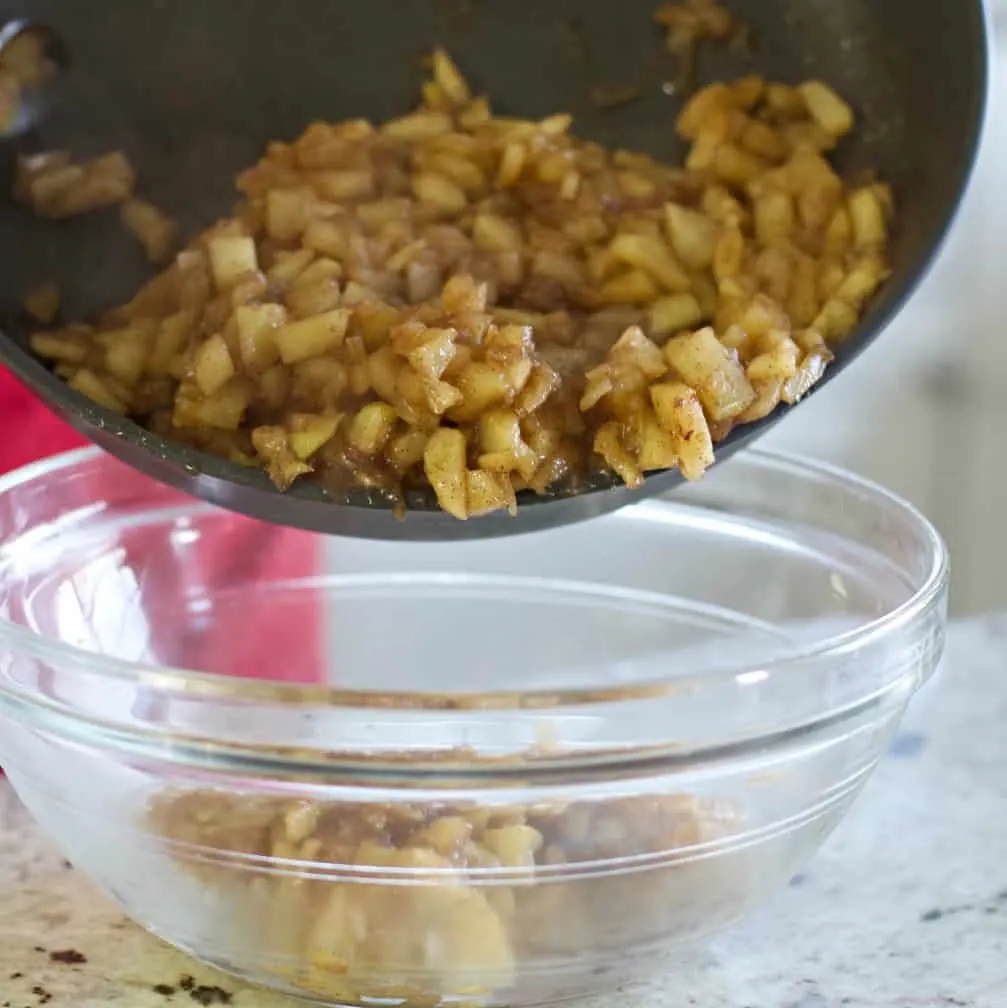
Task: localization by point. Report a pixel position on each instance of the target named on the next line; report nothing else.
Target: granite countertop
(906, 907)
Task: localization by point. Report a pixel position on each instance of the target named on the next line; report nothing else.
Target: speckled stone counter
(906, 907)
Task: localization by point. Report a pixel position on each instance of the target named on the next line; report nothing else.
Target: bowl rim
(171, 681)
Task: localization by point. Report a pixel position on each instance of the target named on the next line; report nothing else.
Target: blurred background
(925, 412)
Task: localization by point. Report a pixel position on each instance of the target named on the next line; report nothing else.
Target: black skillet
(192, 89)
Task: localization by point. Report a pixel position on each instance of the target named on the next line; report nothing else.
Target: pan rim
(369, 514)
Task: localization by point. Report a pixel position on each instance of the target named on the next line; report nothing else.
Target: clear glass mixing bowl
(504, 772)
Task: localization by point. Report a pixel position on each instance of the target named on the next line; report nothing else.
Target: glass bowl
(502, 772)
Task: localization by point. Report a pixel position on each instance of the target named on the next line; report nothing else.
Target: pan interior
(192, 90)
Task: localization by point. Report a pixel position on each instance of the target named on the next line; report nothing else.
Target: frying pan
(193, 89)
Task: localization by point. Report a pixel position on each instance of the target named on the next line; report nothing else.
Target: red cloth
(30, 431)
(281, 638)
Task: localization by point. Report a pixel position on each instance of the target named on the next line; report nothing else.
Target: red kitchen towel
(29, 430)
(281, 634)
